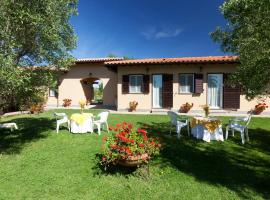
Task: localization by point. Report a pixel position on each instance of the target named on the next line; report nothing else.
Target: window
(186, 82)
(52, 93)
(135, 83)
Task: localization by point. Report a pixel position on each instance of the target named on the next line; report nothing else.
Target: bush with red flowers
(260, 107)
(127, 143)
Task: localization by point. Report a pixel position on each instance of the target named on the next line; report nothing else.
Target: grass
(36, 163)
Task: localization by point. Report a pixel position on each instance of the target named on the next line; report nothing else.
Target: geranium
(260, 107)
(125, 142)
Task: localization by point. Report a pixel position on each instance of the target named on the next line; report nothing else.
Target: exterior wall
(145, 100)
(72, 88)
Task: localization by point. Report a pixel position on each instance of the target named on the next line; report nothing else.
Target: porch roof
(187, 60)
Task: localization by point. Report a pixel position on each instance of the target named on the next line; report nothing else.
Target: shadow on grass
(30, 129)
(230, 164)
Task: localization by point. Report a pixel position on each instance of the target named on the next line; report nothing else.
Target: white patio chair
(235, 125)
(10, 126)
(61, 118)
(103, 117)
(179, 124)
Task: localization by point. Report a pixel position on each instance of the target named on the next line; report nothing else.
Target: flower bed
(128, 146)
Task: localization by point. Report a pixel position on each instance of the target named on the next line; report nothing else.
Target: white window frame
(52, 93)
(136, 89)
(185, 91)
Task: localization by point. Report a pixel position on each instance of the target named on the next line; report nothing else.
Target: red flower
(141, 145)
(130, 126)
(104, 158)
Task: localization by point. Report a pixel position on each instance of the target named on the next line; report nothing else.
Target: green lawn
(36, 163)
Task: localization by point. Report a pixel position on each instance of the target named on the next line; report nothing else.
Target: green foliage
(33, 33)
(247, 34)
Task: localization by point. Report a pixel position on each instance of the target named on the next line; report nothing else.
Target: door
(215, 90)
(157, 91)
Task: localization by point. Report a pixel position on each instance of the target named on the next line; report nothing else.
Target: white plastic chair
(179, 124)
(10, 126)
(64, 119)
(234, 125)
(103, 116)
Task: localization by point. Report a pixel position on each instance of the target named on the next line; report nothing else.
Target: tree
(247, 34)
(33, 32)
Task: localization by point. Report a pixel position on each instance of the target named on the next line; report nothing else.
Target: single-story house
(156, 84)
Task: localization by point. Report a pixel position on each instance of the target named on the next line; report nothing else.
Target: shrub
(36, 108)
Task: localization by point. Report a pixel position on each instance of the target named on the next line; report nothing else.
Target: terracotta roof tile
(208, 59)
(96, 60)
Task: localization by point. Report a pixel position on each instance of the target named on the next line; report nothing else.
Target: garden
(37, 163)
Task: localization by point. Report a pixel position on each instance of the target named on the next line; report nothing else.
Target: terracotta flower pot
(133, 161)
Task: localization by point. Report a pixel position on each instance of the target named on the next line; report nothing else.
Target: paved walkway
(213, 113)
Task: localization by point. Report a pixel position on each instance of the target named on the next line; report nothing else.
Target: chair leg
(247, 134)
(188, 129)
(243, 136)
(107, 126)
(98, 127)
(57, 128)
(178, 132)
(68, 125)
(227, 132)
(233, 133)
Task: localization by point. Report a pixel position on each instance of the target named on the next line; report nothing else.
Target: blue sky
(146, 28)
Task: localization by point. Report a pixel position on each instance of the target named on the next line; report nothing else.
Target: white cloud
(153, 33)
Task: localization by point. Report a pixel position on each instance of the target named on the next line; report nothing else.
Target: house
(161, 83)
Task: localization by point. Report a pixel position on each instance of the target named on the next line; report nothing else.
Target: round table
(81, 123)
(207, 129)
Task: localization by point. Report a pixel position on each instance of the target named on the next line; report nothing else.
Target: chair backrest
(60, 115)
(173, 117)
(103, 116)
(248, 120)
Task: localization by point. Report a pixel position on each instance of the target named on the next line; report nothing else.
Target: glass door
(215, 90)
(157, 91)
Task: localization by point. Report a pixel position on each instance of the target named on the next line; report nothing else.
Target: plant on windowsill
(66, 102)
(185, 107)
(260, 107)
(133, 105)
(128, 147)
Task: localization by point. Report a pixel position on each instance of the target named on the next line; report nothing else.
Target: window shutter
(231, 95)
(125, 84)
(167, 90)
(146, 79)
(198, 83)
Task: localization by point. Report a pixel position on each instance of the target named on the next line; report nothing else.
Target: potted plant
(260, 107)
(128, 146)
(66, 102)
(133, 105)
(82, 104)
(185, 107)
(206, 110)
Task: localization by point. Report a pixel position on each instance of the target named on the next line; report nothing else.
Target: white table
(86, 126)
(200, 132)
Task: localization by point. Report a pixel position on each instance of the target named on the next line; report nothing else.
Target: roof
(208, 59)
(97, 60)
